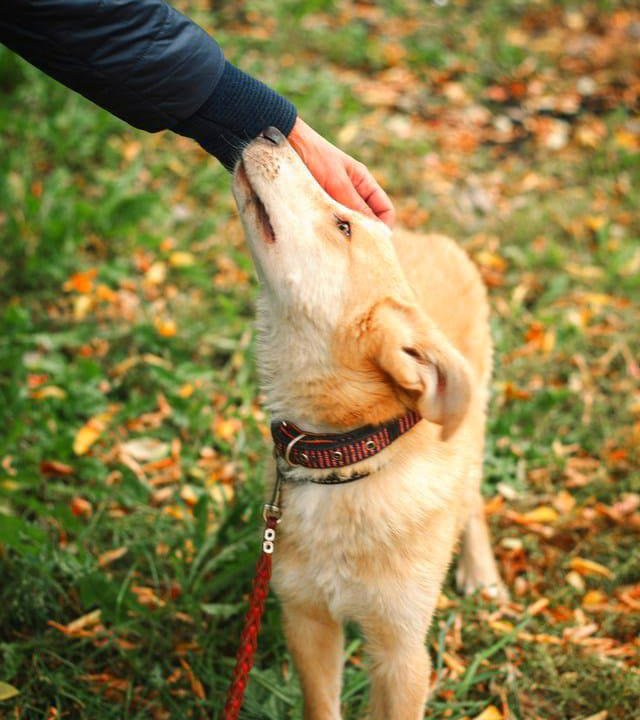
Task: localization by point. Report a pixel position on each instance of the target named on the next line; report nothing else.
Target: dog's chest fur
(382, 541)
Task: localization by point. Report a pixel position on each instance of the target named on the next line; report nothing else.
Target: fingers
(342, 189)
(346, 180)
(372, 194)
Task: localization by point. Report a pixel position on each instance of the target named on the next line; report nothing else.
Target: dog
(359, 332)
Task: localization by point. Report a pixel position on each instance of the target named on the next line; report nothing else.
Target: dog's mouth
(263, 221)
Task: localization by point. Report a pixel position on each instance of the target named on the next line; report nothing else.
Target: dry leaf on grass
(490, 713)
(589, 567)
(91, 431)
(7, 691)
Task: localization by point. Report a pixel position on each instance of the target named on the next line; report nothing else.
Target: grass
(126, 309)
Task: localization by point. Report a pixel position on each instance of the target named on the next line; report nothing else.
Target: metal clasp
(272, 511)
(272, 508)
(287, 452)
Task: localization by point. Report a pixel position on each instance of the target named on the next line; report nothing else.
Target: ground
(133, 443)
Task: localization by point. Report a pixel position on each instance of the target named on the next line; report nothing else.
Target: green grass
(162, 343)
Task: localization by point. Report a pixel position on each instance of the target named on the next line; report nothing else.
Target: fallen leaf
(538, 606)
(55, 467)
(145, 449)
(81, 282)
(106, 558)
(589, 567)
(186, 390)
(490, 713)
(81, 507)
(196, 686)
(181, 259)
(91, 431)
(7, 691)
(157, 273)
(542, 514)
(594, 598)
(84, 621)
(50, 391)
(226, 428)
(166, 327)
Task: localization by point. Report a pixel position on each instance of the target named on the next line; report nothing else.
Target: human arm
(148, 64)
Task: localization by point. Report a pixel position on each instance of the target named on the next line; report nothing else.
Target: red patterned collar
(326, 451)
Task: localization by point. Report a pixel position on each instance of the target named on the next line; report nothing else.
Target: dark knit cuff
(236, 111)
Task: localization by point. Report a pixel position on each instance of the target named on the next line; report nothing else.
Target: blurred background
(133, 440)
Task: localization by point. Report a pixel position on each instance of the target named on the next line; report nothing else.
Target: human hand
(345, 179)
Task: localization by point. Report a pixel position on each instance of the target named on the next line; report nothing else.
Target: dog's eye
(344, 227)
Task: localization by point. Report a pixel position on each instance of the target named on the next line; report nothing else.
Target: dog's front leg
(400, 670)
(315, 641)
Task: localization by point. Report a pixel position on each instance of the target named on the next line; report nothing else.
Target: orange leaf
(81, 282)
(111, 556)
(589, 567)
(81, 507)
(54, 467)
(166, 327)
(196, 686)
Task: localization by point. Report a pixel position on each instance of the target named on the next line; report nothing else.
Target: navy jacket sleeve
(148, 64)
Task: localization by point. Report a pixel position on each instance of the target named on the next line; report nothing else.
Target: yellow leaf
(186, 390)
(226, 429)
(50, 391)
(595, 222)
(85, 621)
(7, 691)
(81, 306)
(85, 437)
(221, 494)
(91, 431)
(181, 259)
(490, 713)
(157, 273)
(189, 495)
(165, 327)
(501, 626)
(542, 514)
(627, 140)
(589, 567)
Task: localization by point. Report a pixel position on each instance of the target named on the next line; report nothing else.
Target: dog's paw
(489, 584)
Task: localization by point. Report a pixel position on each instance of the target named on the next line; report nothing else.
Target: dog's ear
(426, 368)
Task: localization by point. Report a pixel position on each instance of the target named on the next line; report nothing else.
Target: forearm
(146, 63)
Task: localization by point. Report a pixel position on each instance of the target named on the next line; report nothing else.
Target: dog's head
(343, 341)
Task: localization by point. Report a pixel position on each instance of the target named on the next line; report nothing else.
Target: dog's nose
(273, 135)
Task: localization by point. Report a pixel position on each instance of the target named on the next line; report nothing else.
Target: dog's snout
(273, 135)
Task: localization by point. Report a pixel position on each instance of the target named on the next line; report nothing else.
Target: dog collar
(326, 451)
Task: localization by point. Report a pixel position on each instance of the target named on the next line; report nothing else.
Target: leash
(314, 451)
(259, 592)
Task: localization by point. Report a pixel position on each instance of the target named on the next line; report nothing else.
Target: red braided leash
(257, 599)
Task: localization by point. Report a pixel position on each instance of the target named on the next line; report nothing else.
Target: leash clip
(271, 511)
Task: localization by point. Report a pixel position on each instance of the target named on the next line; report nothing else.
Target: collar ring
(287, 452)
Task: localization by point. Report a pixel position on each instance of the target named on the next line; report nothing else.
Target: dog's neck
(304, 383)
